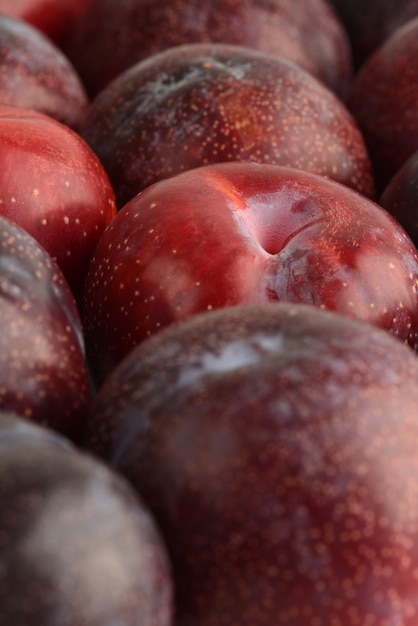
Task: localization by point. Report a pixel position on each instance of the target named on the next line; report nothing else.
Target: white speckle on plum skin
(238, 353)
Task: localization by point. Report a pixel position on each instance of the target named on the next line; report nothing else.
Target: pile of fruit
(209, 313)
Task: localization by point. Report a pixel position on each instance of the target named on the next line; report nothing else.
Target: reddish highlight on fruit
(236, 233)
(53, 185)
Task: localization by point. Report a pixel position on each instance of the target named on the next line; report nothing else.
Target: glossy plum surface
(276, 446)
(245, 232)
(43, 371)
(53, 185)
(208, 103)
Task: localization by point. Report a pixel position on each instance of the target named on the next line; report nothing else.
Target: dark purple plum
(199, 104)
(276, 446)
(43, 370)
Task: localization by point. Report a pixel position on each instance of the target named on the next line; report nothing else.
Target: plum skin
(198, 104)
(276, 446)
(245, 232)
(78, 545)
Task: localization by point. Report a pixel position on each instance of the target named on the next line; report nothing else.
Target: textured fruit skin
(200, 104)
(35, 74)
(53, 185)
(43, 371)
(244, 232)
(112, 37)
(400, 197)
(368, 25)
(383, 99)
(276, 446)
(78, 547)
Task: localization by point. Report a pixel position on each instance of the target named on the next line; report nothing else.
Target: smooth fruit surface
(53, 185)
(276, 446)
(43, 371)
(208, 103)
(244, 233)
